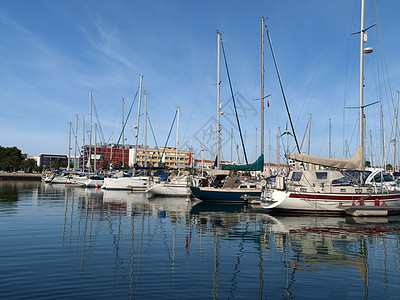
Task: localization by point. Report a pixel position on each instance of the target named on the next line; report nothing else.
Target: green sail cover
(258, 165)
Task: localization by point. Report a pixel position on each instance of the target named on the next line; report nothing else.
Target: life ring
(263, 183)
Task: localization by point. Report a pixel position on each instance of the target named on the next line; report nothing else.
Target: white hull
(94, 182)
(126, 183)
(334, 203)
(170, 189)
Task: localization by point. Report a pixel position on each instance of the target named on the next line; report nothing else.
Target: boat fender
(384, 204)
(377, 202)
(362, 202)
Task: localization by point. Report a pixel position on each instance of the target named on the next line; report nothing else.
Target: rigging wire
(282, 90)
(123, 128)
(234, 103)
(169, 134)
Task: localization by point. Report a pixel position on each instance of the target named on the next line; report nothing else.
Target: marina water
(74, 243)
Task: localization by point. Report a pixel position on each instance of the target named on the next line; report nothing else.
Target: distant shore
(20, 176)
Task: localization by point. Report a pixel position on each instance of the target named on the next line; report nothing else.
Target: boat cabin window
(382, 177)
(341, 181)
(296, 176)
(321, 175)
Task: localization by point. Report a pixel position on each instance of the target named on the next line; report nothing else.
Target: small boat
(225, 188)
(135, 183)
(94, 181)
(177, 186)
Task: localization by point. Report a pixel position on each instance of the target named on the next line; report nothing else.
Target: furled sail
(258, 165)
(355, 163)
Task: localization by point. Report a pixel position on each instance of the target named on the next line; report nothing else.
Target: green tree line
(12, 160)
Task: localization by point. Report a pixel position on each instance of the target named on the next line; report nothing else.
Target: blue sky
(52, 53)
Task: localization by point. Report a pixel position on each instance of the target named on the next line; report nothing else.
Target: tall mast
(395, 134)
(76, 140)
(309, 136)
(90, 134)
(95, 147)
(123, 136)
(278, 150)
(363, 37)
(255, 145)
(145, 129)
(69, 147)
(262, 84)
(330, 139)
(218, 101)
(137, 124)
(177, 140)
(83, 140)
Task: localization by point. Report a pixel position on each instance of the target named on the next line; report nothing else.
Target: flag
(190, 159)
(267, 103)
(216, 161)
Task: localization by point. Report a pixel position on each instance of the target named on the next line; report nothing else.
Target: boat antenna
(281, 85)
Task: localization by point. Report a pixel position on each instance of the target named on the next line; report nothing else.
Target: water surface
(75, 243)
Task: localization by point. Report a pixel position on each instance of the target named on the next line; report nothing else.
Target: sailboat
(334, 191)
(224, 187)
(135, 183)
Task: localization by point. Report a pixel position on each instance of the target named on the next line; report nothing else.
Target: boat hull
(226, 195)
(170, 189)
(126, 183)
(320, 203)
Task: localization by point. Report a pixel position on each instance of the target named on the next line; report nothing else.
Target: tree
(57, 164)
(29, 165)
(10, 158)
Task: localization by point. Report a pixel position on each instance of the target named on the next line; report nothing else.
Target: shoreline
(20, 176)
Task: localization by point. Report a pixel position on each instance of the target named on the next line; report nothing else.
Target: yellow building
(170, 158)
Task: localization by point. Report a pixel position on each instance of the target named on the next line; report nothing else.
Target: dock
(372, 211)
(20, 176)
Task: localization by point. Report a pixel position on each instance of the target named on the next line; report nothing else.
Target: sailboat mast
(123, 136)
(218, 156)
(309, 135)
(363, 37)
(95, 148)
(69, 147)
(137, 124)
(395, 135)
(83, 140)
(90, 134)
(145, 129)
(262, 84)
(76, 140)
(177, 140)
(330, 139)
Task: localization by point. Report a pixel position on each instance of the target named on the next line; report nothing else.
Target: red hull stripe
(338, 197)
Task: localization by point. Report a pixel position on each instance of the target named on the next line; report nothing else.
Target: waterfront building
(115, 156)
(46, 160)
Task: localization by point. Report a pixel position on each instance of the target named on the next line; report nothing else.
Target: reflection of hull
(170, 189)
(77, 180)
(60, 180)
(325, 203)
(94, 182)
(126, 183)
(228, 195)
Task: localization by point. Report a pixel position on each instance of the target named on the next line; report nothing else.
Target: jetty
(20, 176)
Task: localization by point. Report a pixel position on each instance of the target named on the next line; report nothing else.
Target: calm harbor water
(75, 243)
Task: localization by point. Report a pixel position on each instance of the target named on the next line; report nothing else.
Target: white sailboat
(332, 191)
(136, 183)
(177, 186)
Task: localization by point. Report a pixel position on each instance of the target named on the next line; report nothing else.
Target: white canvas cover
(355, 163)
